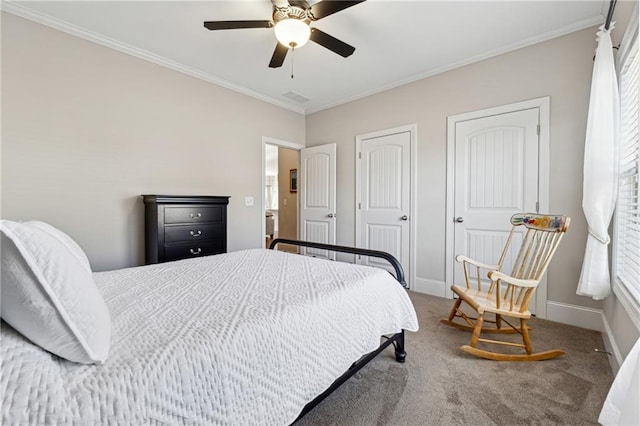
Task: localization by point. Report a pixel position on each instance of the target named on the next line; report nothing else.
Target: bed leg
(401, 355)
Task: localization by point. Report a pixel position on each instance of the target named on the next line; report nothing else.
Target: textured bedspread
(242, 338)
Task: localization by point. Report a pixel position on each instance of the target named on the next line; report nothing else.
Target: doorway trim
(413, 193)
(267, 140)
(543, 105)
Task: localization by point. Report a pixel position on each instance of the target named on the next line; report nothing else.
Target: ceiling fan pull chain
(292, 56)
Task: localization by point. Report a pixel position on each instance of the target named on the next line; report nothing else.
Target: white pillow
(48, 293)
(73, 247)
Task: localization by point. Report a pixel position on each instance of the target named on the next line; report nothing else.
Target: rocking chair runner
(509, 295)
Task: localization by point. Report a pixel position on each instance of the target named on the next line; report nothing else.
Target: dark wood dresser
(182, 226)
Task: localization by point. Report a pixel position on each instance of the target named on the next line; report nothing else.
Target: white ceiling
(396, 41)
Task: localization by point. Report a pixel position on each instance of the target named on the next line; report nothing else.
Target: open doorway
(280, 191)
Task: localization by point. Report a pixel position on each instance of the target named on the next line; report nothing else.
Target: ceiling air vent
(296, 97)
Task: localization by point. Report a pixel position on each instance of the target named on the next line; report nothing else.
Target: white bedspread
(242, 338)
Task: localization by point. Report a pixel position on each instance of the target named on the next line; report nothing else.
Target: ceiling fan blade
(302, 4)
(234, 25)
(329, 7)
(279, 54)
(323, 39)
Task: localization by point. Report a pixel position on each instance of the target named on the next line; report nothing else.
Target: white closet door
(496, 176)
(384, 202)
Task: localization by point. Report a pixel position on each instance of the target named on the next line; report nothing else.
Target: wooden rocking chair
(509, 295)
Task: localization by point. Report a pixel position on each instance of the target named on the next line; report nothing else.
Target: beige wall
(560, 68)
(288, 202)
(86, 130)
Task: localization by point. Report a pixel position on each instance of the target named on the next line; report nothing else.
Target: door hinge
(360, 156)
(537, 206)
(538, 129)
(359, 206)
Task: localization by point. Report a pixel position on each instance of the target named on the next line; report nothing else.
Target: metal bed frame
(397, 339)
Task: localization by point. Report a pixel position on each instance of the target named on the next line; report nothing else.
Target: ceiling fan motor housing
(290, 12)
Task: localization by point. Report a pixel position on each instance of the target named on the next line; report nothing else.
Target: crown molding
(43, 19)
(66, 27)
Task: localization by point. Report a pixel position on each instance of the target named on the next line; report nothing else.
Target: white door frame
(284, 144)
(543, 104)
(410, 276)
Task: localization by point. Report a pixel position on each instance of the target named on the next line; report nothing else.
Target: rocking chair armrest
(497, 275)
(462, 258)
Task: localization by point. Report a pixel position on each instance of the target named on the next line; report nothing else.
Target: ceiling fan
(290, 21)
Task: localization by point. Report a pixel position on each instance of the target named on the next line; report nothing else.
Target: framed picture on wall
(293, 180)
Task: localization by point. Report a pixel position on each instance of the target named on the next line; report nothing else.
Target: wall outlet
(248, 201)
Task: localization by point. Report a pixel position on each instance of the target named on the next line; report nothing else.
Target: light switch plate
(248, 201)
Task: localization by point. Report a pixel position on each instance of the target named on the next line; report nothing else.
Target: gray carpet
(441, 385)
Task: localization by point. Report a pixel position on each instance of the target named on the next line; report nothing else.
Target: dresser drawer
(195, 249)
(193, 214)
(193, 233)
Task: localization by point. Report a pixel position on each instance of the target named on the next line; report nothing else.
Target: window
(271, 192)
(627, 224)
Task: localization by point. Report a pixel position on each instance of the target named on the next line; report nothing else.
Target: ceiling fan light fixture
(292, 32)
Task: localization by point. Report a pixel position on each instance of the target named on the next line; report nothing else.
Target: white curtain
(600, 169)
(622, 406)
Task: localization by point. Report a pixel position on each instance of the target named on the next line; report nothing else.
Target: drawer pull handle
(195, 233)
(196, 251)
(195, 216)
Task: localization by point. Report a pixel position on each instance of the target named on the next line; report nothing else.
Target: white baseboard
(615, 359)
(431, 287)
(579, 316)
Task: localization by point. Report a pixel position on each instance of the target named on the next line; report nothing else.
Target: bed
(250, 337)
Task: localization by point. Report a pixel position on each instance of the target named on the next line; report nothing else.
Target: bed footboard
(397, 340)
(344, 249)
